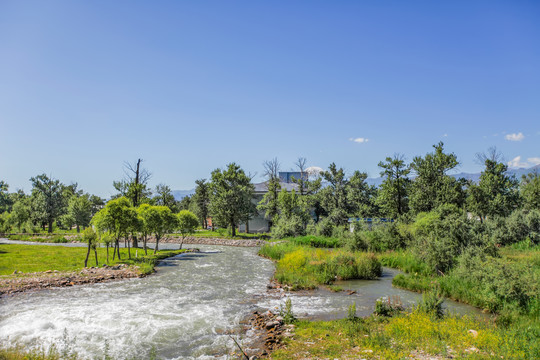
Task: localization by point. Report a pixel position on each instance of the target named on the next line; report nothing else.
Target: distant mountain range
(180, 194)
(475, 177)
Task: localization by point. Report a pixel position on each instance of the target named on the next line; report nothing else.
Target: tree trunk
(129, 250)
(135, 241)
(95, 253)
(145, 248)
(78, 229)
(50, 226)
(157, 243)
(118, 250)
(247, 226)
(87, 254)
(107, 245)
(233, 230)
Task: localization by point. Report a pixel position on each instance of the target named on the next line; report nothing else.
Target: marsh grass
(303, 267)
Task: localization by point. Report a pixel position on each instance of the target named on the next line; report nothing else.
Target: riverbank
(214, 241)
(36, 267)
(21, 282)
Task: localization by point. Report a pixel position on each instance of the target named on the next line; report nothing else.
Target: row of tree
(407, 189)
(331, 195)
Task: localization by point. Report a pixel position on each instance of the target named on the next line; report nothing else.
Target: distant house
(260, 223)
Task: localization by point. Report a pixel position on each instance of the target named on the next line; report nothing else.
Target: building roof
(262, 188)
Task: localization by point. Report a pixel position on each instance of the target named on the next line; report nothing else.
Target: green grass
(405, 261)
(303, 267)
(406, 335)
(317, 241)
(38, 258)
(507, 285)
(44, 238)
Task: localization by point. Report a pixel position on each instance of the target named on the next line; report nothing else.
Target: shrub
(432, 303)
(388, 306)
(381, 237)
(519, 225)
(325, 227)
(440, 245)
(288, 227)
(351, 312)
(494, 283)
(286, 312)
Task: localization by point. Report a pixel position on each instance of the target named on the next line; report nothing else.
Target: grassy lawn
(56, 238)
(37, 258)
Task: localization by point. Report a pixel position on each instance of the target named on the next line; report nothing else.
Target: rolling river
(183, 311)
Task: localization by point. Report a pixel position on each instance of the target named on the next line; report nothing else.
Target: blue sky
(189, 86)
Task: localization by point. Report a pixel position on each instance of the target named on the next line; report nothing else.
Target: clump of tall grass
(318, 241)
(432, 303)
(305, 268)
(406, 261)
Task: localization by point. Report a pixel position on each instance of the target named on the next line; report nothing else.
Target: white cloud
(515, 137)
(534, 160)
(516, 163)
(359, 140)
(445, 135)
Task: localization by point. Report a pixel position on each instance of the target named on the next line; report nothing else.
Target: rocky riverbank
(214, 241)
(20, 282)
(267, 331)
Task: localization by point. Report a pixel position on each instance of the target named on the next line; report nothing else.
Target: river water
(183, 311)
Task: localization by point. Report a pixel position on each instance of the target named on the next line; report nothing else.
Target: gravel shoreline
(214, 241)
(21, 282)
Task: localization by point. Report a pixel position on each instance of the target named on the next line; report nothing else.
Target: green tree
(346, 196)
(164, 197)
(530, 191)
(99, 221)
(269, 202)
(117, 217)
(334, 196)
(361, 196)
(144, 216)
(80, 211)
(160, 220)
(187, 223)
(49, 198)
(393, 196)
(288, 203)
(186, 203)
(202, 201)
(231, 194)
(496, 194)
(97, 203)
(21, 213)
(134, 186)
(432, 186)
(5, 200)
(309, 185)
(91, 239)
